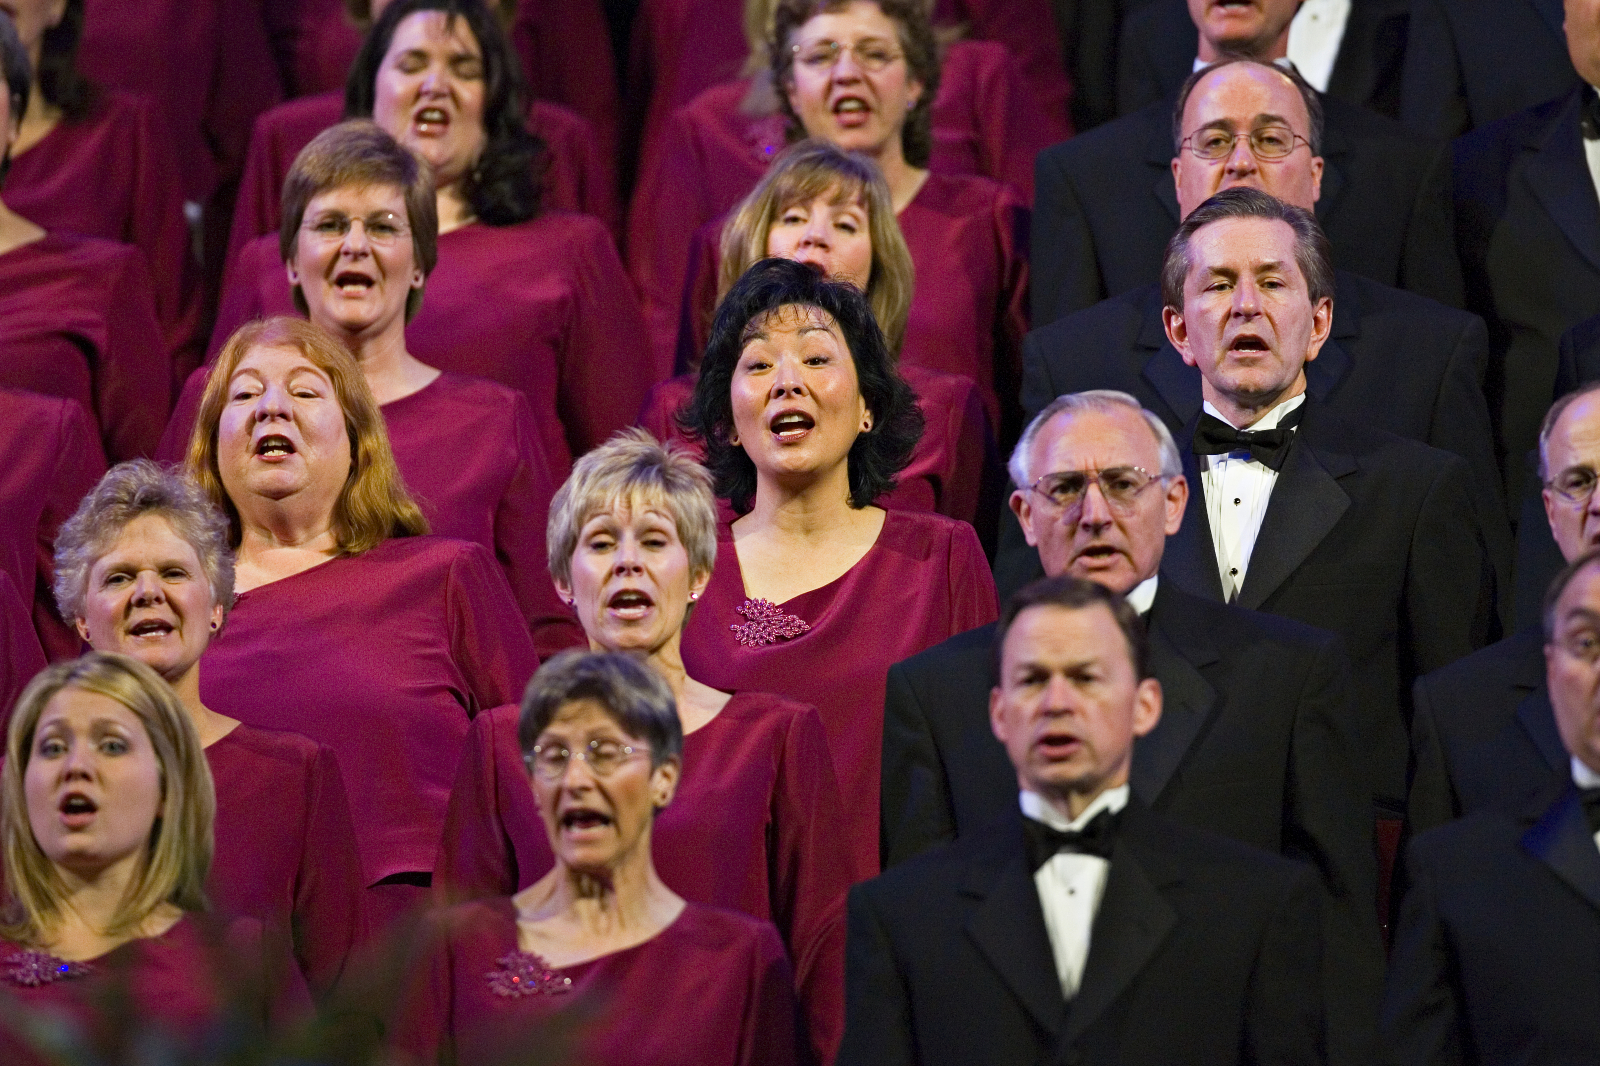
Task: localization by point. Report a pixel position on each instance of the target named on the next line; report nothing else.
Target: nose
(815, 235)
(576, 776)
(1246, 298)
(356, 243)
(627, 557)
(787, 379)
(1241, 160)
(1094, 512)
(272, 403)
(146, 588)
(845, 67)
(434, 81)
(1058, 694)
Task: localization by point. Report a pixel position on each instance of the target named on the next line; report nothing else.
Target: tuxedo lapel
(1538, 720)
(1008, 928)
(1560, 179)
(1158, 161)
(1188, 701)
(1562, 841)
(1306, 503)
(1190, 559)
(1336, 150)
(1553, 14)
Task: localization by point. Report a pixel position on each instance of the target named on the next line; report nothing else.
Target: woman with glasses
(651, 977)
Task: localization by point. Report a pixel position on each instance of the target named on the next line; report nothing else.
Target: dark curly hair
(505, 187)
(917, 41)
(877, 455)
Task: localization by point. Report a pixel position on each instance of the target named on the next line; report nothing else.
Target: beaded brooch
(31, 968)
(767, 624)
(524, 974)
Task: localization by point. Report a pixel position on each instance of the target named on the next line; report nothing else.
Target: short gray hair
(633, 694)
(1552, 416)
(129, 491)
(1312, 253)
(1308, 96)
(1104, 401)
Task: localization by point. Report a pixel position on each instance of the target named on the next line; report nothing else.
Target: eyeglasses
(1584, 646)
(1120, 485)
(603, 757)
(871, 54)
(383, 228)
(1575, 485)
(1266, 142)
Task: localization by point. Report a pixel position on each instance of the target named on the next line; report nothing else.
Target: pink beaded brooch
(34, 968)
(525, 974)
(767, 624)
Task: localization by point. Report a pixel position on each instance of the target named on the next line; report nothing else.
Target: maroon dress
(947, 470)
(750, 829)
(20, 654)
(923, 581)
(543, 306)
(286, 849)
(385, 658)
(577, 178)
(711, 989)
(77, 321)
(49, 459)
(112, 174)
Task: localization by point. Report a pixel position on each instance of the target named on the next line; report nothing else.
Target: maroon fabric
(576, 180)
(313, 42)
(286, 847)
(947, 469)
(77, 321)
(385, 658)
(1027, 28)
(923, 581)
(751, 829)
(565, 48)
(49, 458)
(20, 654)
(543, 306)
(114, 175)
(711, 989)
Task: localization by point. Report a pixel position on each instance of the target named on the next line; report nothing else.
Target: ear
(563, 589)
(288, 268)
(216, 617)
(1316, 178)
(698, 583)
(664, 781)
(1146, 706)
(1321, 327)
(1023, 509)
(82, 626)
(1177, 499)
(1550, 506)
(1177, 333)
(997, 721)
(417, 277)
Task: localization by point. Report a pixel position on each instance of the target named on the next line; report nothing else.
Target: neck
(806, 509)
(210, 725)
(390, 370)
(1071, 804)
(904, 180)
(1245, 410)
(1278, 48)
(40, 118)
(454, 211)
(15, 231)
(697, 703)
(624, 899)
(281, 539)
(90, 903)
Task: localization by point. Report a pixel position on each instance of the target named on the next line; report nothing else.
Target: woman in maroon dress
(107, 825)
(831, 209)
(633, 534)
(20, 654)
(347, 626)
(359, 239)
(671, 982)
(534, 299)
(806, 423)
(144, 568)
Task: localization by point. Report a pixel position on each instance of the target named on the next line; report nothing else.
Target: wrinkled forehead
(1243, 96)
(1241, 246)
(1055, 636)
(627, 504)
(1575, 438)
(1095, 439)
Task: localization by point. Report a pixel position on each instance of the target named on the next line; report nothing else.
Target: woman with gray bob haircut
(143, 568)
(632, 542)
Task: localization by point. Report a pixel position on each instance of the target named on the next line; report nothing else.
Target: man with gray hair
(1255, 740)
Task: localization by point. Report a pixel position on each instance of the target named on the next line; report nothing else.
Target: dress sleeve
(578, 177)
(769, 1031)
(519, 539)
(973, 602)
(174, 446)
(1011, 222)
(328, 920)
(973, 458)
(566, 52)
(1028, 30)
(79, 466)
(489, 640)
(668, 205)
(160, 230)
(241, 291)
(256, 210)
(20, 654)
(133, 389)
(476, 858)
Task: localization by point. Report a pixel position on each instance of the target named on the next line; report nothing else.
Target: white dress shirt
(1142, 595)
(1070, 885)
(1591, 154)
(1314, 39)
(1584, 777)
(1237, 492)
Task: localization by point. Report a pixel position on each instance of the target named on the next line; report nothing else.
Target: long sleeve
(1284, 1020)
(20, 654)
(133, 383)
(1428, 263)
(877, 1027)
(769, 1035)
(1424, 1020)
(241, 296)
(1066, 275)
(565, 47)
(489, 638)
(1431, 799)
(915, 811)
(1449, 585)
(580, 177)
(79, 466)
(476, 858)
(1011, 223)
(328, 919)
(973, 602)
(1431, 97)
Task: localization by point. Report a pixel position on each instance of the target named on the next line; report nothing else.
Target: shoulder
(88, 254)
(723, 933)
(427, 555)
(1116, 144)
(482, 397)
(767, 710)
(313, 113)
(1371, 131)
(964, 194)
(1235, 627)
(552, 237)
(1385, 303)
(1249, 874)
(38, 411)
(1485, 151)
(957, 657)
(1379, 452)
(556, 123)
(1118, 320)
(929, 538)
(273, 746)
(909, 893)
(1468, 845)
(1475, 676)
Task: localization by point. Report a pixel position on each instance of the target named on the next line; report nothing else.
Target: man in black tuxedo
(1296, 511)
(1472, 62)
(1358, 60)
(1497, 954)
(1105, 203)
(1257, 738)
(1528, 232)
(1084, 928)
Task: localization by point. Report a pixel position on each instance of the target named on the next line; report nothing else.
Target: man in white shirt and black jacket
(1082, 927)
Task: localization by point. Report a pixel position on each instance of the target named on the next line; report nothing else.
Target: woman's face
(430, 91)
(92, 783)
(148, 597)
(282, 432)
(630, 579)
(797, 405)
(597, 821)
(354, 260)
(830, 233)
(835, 93)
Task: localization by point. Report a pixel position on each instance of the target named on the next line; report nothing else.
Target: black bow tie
(1043, 841)
(1269, 447)
(1590, 798)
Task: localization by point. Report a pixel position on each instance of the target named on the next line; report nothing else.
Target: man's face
(1572, 666)
(1247, 322)
(1248, 27)
(1571, 463)
(1237, 99)
(1070, 702)
(1115, 545)
(1583, 38)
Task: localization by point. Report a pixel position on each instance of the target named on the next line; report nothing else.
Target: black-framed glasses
(603, 757)
(1266, 142)
(382, 227)
(1575, 485)
(1120, 485)
(871, 54)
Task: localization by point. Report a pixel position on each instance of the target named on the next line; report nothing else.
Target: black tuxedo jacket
(1255, 742)
(1528, 229)
(1105, 207)
(1203, 951)
(1160, 42)
(1472, 62)
(1373, 537)
(1497, 955)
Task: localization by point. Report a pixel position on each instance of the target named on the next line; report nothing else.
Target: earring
(866, 425)
(694, 597)
(215, 626)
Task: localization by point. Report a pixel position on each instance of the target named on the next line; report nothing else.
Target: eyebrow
(1255, 123)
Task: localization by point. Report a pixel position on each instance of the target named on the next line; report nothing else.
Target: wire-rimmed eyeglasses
(603, 757)
(871, 54)
(1266, 142)
(1575, 485)
(382, 227)
(1120, 485)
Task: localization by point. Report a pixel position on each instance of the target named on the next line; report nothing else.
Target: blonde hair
(635, 468)
(374, 504)
(179, 857)
(804, 171)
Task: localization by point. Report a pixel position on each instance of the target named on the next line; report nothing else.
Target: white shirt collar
(1034, 806)
(1282, 61)
(1269, 420)
(1142, 595)
(1582, 776)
